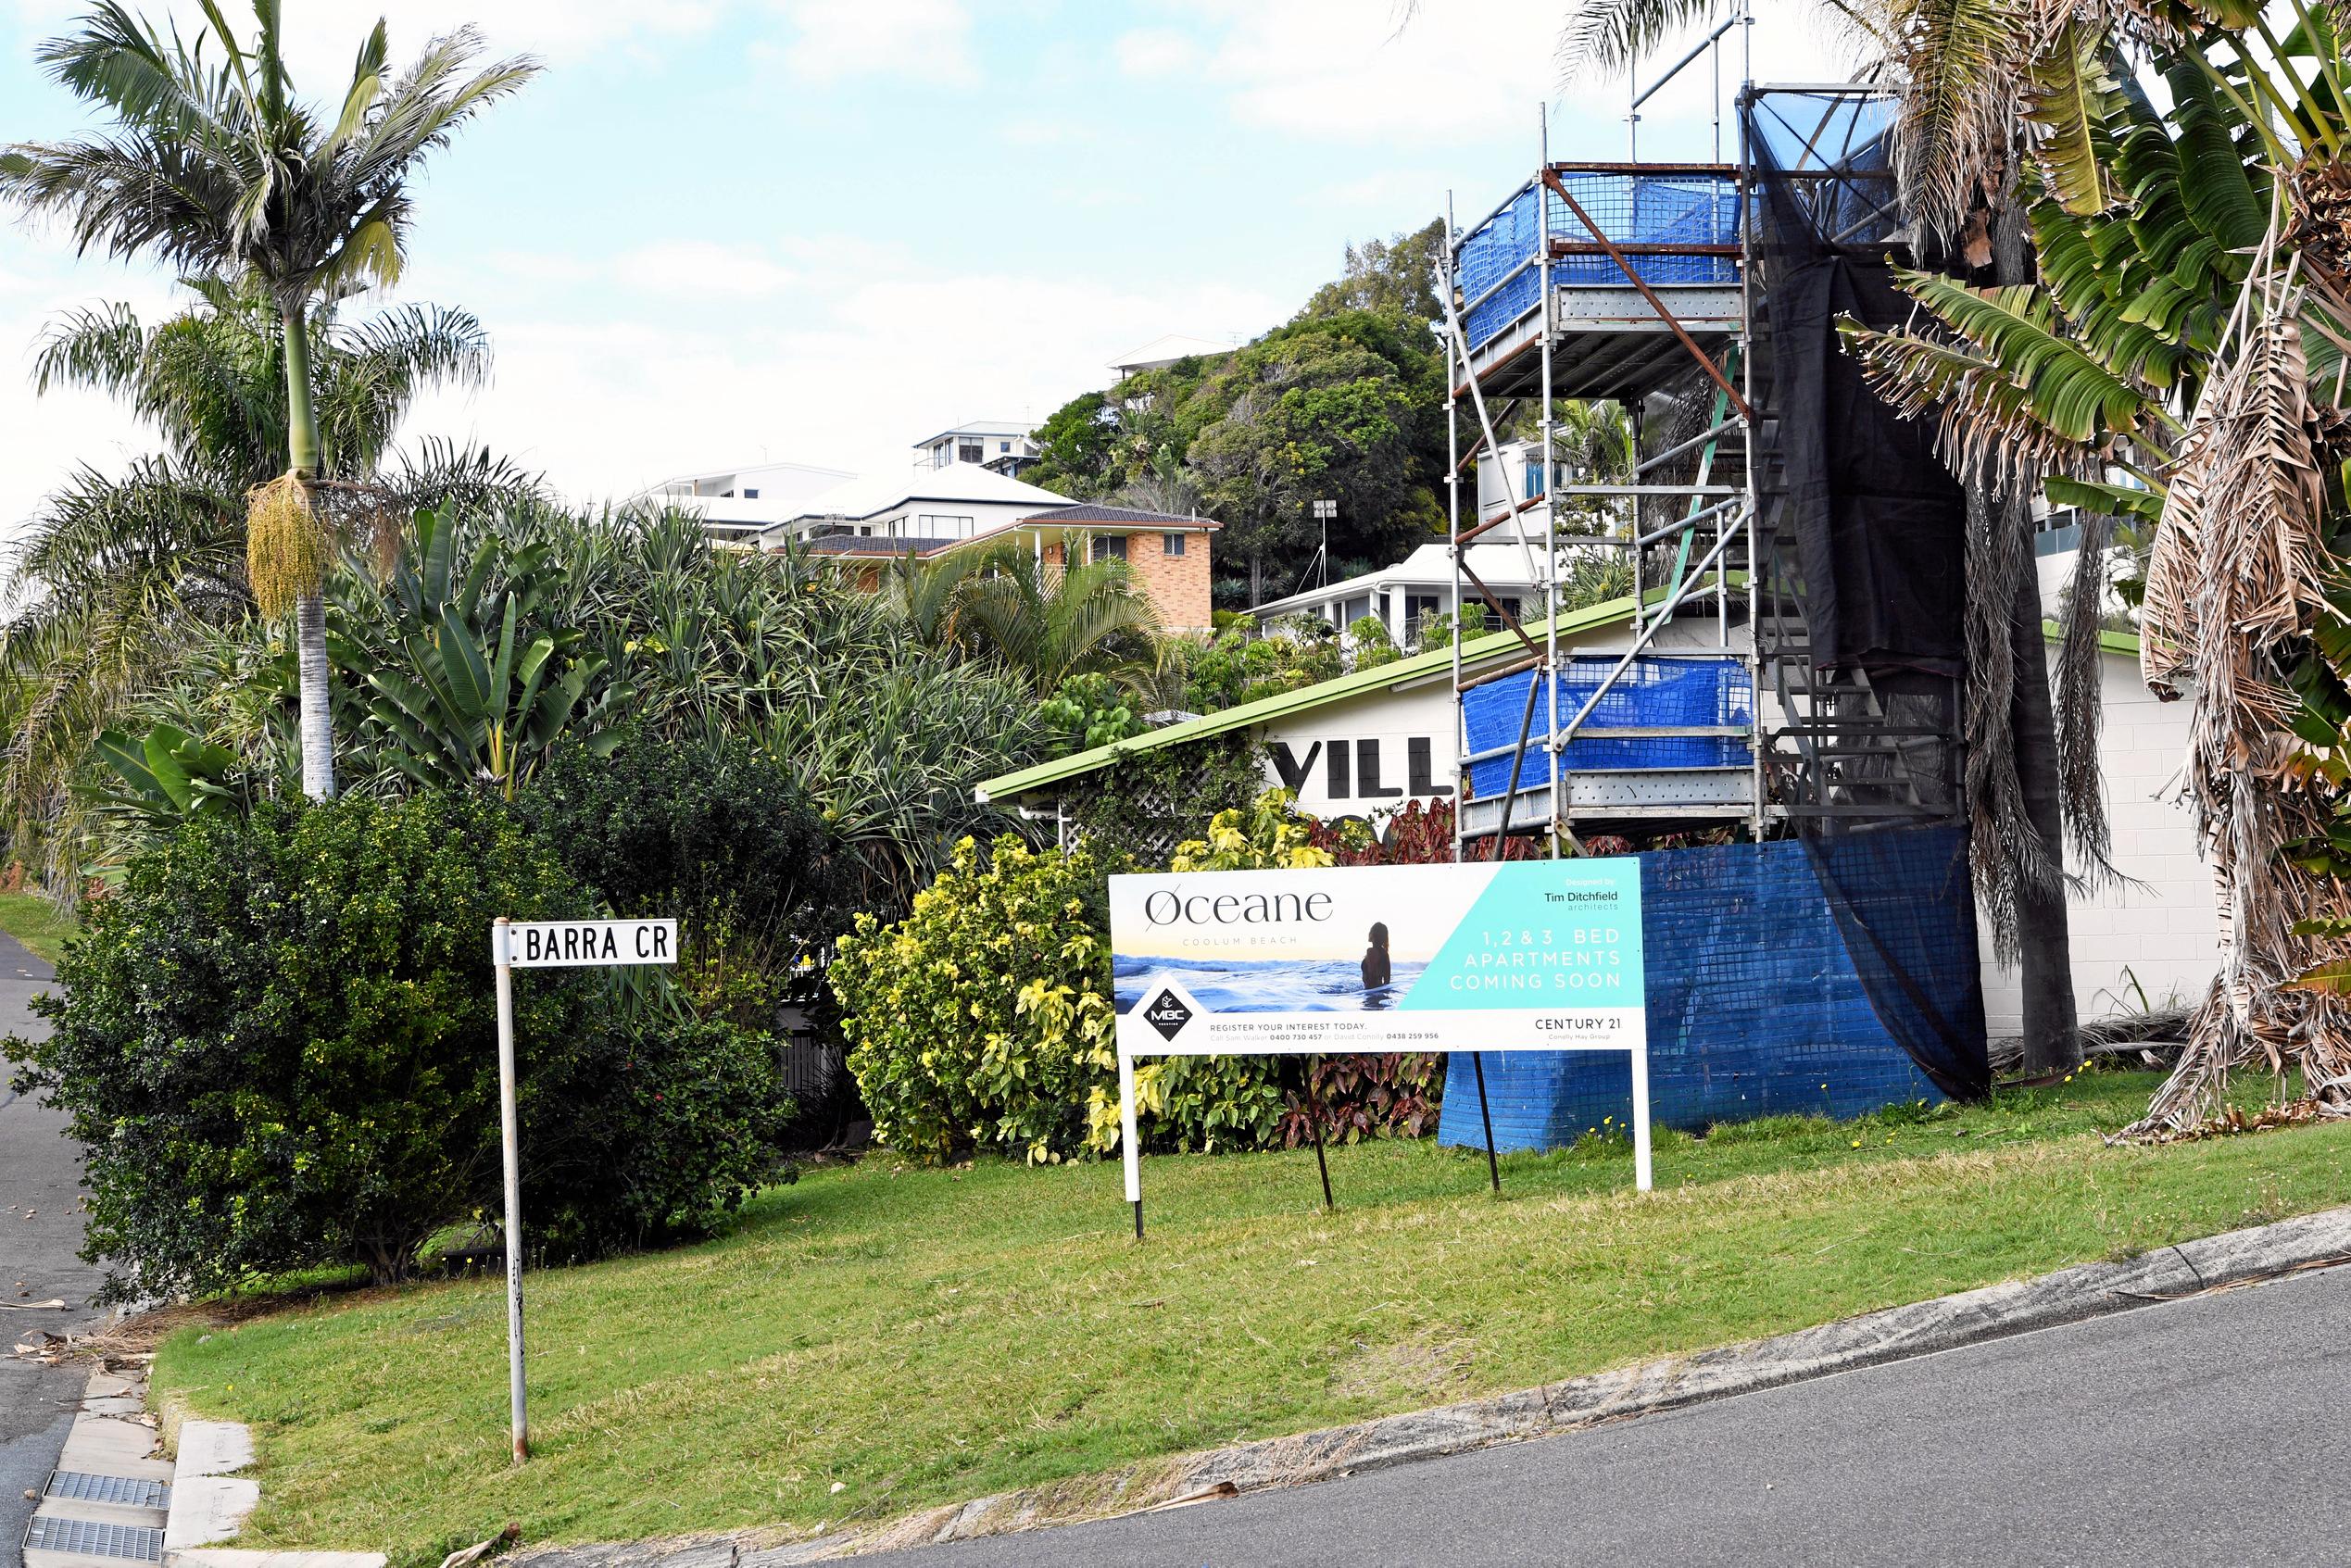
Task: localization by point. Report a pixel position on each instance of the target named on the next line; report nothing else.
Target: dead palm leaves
(2237, 579)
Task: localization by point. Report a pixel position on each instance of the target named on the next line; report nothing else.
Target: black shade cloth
(1877, 521)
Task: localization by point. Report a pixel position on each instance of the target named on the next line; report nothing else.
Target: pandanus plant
(215, 167)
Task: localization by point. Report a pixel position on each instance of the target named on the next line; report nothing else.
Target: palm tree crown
(217, 170)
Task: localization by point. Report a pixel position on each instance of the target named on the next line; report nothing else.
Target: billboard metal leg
(1315, 1124)
(1138, 1219)
(1485, 1116)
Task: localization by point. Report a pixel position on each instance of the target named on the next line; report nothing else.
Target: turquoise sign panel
(1543, 933)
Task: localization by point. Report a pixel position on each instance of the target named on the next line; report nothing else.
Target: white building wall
(2161, 939)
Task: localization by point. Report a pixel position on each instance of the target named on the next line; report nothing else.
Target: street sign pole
(509, 1137)
(559, 944)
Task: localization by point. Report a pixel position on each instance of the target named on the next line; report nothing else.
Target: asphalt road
(39, 1231)
(2211, 1431)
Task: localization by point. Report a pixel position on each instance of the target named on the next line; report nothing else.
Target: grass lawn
(918, 1336)
(34, 921)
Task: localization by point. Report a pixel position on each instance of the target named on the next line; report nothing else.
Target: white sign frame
(547, 944)
(1547, 1024)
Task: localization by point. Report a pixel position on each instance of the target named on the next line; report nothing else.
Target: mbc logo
(1167, 1013)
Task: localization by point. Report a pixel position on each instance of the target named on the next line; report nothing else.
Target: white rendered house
(740, 502)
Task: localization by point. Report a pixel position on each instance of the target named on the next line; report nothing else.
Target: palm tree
(220, 171)
(115, 571)
(1969, 72)
(2179, 361)
(1047, 623)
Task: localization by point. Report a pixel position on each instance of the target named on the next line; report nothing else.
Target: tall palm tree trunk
(2052, 1040)
(310, 609)
(2044, 938)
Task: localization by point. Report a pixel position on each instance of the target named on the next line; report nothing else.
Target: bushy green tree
(1090, 711)
(277, 1039)
(1243, 664)
(984, 1021)
(1344, 402)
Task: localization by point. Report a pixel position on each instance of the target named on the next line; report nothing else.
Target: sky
(722, 231)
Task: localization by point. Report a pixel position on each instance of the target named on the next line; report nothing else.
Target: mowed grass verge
(34, 921)
(916, 1337)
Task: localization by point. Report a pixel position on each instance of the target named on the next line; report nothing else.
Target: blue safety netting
(1785, 978)
(1651, 694)
(1499, 277)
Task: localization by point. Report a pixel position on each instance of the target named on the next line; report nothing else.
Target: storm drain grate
(132, 1491)
(133, 1543)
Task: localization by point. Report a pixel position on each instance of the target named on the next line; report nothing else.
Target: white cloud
(43, 438)
(913, 40)
(1155, 51)
(322, 34)
(1456, 72)
(703, 267)
(853, 366)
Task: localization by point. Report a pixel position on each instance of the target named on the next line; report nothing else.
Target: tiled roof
(1088, 511)
(874, 545)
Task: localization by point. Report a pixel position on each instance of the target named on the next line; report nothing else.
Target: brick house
(1167, 555)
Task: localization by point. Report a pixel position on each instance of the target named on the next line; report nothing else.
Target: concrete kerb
(1971, 1317)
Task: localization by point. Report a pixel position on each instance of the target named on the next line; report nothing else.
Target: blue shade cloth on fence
(1759, 1003)
(1651, 694)
(1629, 208)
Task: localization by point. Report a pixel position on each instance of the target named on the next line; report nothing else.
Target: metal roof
(1403, 672)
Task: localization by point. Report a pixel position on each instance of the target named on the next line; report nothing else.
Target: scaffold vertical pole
(1453, 520)
(1757, 564)
(1549, 510)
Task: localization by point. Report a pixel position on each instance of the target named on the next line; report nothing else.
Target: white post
(1641, 1116)
(510, 1140)
(1130, 1148)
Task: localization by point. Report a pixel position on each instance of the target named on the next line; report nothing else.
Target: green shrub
(277, 1037)
(983, 1019)
(713, 831)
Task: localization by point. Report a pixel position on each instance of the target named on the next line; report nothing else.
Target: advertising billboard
(1510, 955)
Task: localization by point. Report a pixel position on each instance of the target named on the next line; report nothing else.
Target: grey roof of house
(1088, 511)
(873, 545)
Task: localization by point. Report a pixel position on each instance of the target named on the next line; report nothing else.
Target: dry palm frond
(2241, 566)
(1988, 428)
(1964, 61)
(2080, 708)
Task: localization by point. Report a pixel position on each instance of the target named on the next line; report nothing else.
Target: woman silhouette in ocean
(1375, 958)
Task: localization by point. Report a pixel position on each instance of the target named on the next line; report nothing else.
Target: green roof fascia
(1592, 617)
(2124, 642)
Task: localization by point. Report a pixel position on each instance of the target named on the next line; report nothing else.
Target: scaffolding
(1640, 282)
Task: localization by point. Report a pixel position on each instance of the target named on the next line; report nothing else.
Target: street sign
(547, 944)
(557, 944)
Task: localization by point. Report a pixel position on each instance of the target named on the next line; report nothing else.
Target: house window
(969, 452)
(1003, 446)
(1418, 606)
(1170, 544)
(1110, 546)
(751, 494)
(937, 526)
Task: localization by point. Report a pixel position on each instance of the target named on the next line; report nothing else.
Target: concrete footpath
(40, 1233)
